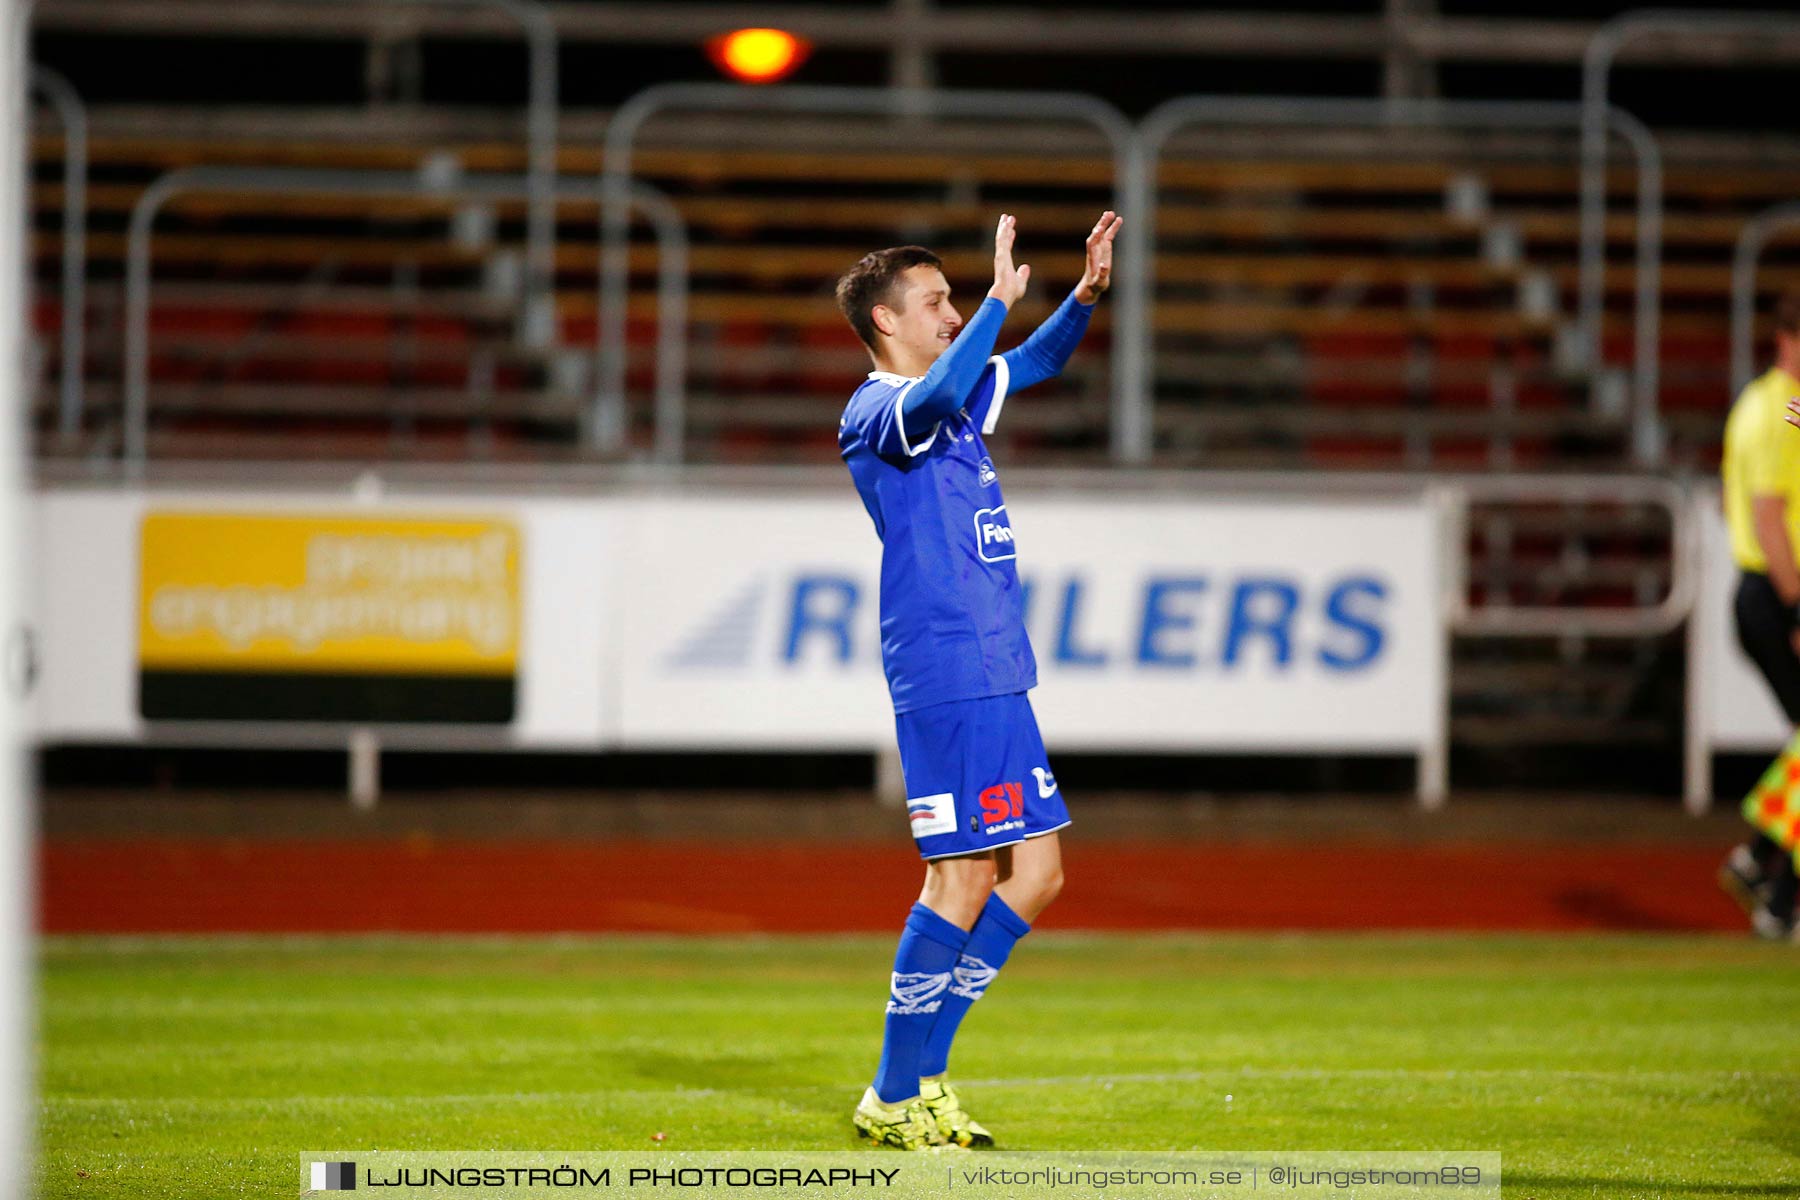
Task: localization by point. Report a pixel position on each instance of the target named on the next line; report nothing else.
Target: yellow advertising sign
(349, 597)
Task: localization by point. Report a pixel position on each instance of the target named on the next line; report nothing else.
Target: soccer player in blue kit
(982, 802)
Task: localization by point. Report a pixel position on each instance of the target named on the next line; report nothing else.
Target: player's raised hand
(1098, 275)
(1009, 281)
(1793, 413)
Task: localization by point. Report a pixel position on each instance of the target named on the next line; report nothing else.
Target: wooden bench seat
(745, 216)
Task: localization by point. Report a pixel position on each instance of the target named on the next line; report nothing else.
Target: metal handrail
(1596, 76)
(73, 113)
(606, 427)
(671, 235)
(539, 30)
(1750, 243)
(540, 166)
(671, 319)
(538, 27)
(1549, 621)
(1164, 120)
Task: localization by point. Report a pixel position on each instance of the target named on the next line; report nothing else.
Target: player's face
(925, 322)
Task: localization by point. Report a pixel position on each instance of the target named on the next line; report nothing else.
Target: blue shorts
(977, 776)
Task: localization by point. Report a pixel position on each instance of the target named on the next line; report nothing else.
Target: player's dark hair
(1787, 313)
(872, 281)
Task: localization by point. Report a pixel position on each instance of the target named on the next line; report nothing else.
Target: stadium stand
(1320, 302)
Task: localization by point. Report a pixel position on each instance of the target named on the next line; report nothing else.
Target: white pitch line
(1237, 1075)
(1251, 1074)
(253, 1102)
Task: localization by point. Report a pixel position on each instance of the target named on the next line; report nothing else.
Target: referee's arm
(1768, 516)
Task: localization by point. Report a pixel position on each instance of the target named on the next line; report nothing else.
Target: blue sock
(992, 939)
(929, 946)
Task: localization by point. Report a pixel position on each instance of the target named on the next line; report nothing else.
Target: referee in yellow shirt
(1761, 470)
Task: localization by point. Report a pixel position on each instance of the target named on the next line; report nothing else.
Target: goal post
(17, 650)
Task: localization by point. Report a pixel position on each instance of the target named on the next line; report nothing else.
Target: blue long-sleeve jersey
(952, 610)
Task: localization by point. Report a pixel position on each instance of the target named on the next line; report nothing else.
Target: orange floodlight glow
(758, 55)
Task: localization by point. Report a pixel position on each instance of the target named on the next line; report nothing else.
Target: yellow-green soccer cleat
(906, 1126)
(953, 1121)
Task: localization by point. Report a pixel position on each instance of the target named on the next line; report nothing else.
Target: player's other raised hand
(1098, 275)
(1009, 281)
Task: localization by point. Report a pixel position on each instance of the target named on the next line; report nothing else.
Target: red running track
(422, 885)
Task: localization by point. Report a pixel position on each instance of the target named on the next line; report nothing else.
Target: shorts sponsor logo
(932, 815)
(1046, 783)
(917, 992)
(994, 535)
(1002, 807)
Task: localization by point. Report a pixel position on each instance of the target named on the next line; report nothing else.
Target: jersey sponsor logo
(1046, 783)
(1002, 807)
(994, 535)
(986, 474)
(917, 992)
(932, 815)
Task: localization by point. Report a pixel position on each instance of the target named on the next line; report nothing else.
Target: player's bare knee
(973, 879)
(957, 888)
(1040, 888)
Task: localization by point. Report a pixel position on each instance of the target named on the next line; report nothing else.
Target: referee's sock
(1765, 850)
(928, 951)
(995, 934)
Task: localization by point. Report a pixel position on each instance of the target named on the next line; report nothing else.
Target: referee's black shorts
(1765, 628)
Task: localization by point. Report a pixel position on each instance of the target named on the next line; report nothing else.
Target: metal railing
(1164, 120)
(671, 319)
(606, 427)
(73, 114)
(1455, 495)
(671, 236)
(538, 27)
(1135, 151)
(1596, 79)
(1750, 243)
(1518, 621)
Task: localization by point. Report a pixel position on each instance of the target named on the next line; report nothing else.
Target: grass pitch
(1614, 1067)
